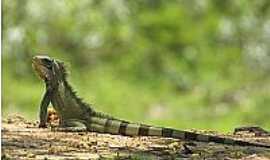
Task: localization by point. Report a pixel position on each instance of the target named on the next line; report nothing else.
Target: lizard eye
(47, 61)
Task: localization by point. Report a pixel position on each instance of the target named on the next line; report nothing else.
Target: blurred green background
(180, 63)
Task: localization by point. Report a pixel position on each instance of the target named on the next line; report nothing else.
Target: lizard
(74, 113)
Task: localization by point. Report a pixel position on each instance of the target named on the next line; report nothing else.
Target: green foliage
(186, 64)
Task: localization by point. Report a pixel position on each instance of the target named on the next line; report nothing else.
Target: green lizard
(74, 113)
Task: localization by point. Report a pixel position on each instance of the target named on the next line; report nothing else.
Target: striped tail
(119, 127)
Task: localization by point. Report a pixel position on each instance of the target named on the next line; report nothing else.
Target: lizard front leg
(43, 109)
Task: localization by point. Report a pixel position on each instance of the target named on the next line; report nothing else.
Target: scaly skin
(73, 112)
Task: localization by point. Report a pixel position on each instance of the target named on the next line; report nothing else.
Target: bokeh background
(201, 64)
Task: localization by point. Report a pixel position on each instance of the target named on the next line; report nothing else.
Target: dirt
(22, 139)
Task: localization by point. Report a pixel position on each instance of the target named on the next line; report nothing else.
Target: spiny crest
(62, 68)
(74, 94)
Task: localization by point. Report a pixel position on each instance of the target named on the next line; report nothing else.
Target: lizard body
(73, 112)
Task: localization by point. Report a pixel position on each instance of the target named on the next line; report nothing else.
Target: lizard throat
(40, 70)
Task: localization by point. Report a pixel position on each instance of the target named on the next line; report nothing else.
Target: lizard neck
(66, 102)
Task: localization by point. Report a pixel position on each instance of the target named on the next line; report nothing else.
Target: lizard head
(49, 69)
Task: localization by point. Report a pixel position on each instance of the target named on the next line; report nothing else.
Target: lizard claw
(42, 125)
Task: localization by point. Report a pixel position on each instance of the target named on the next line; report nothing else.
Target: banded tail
(119, 127)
